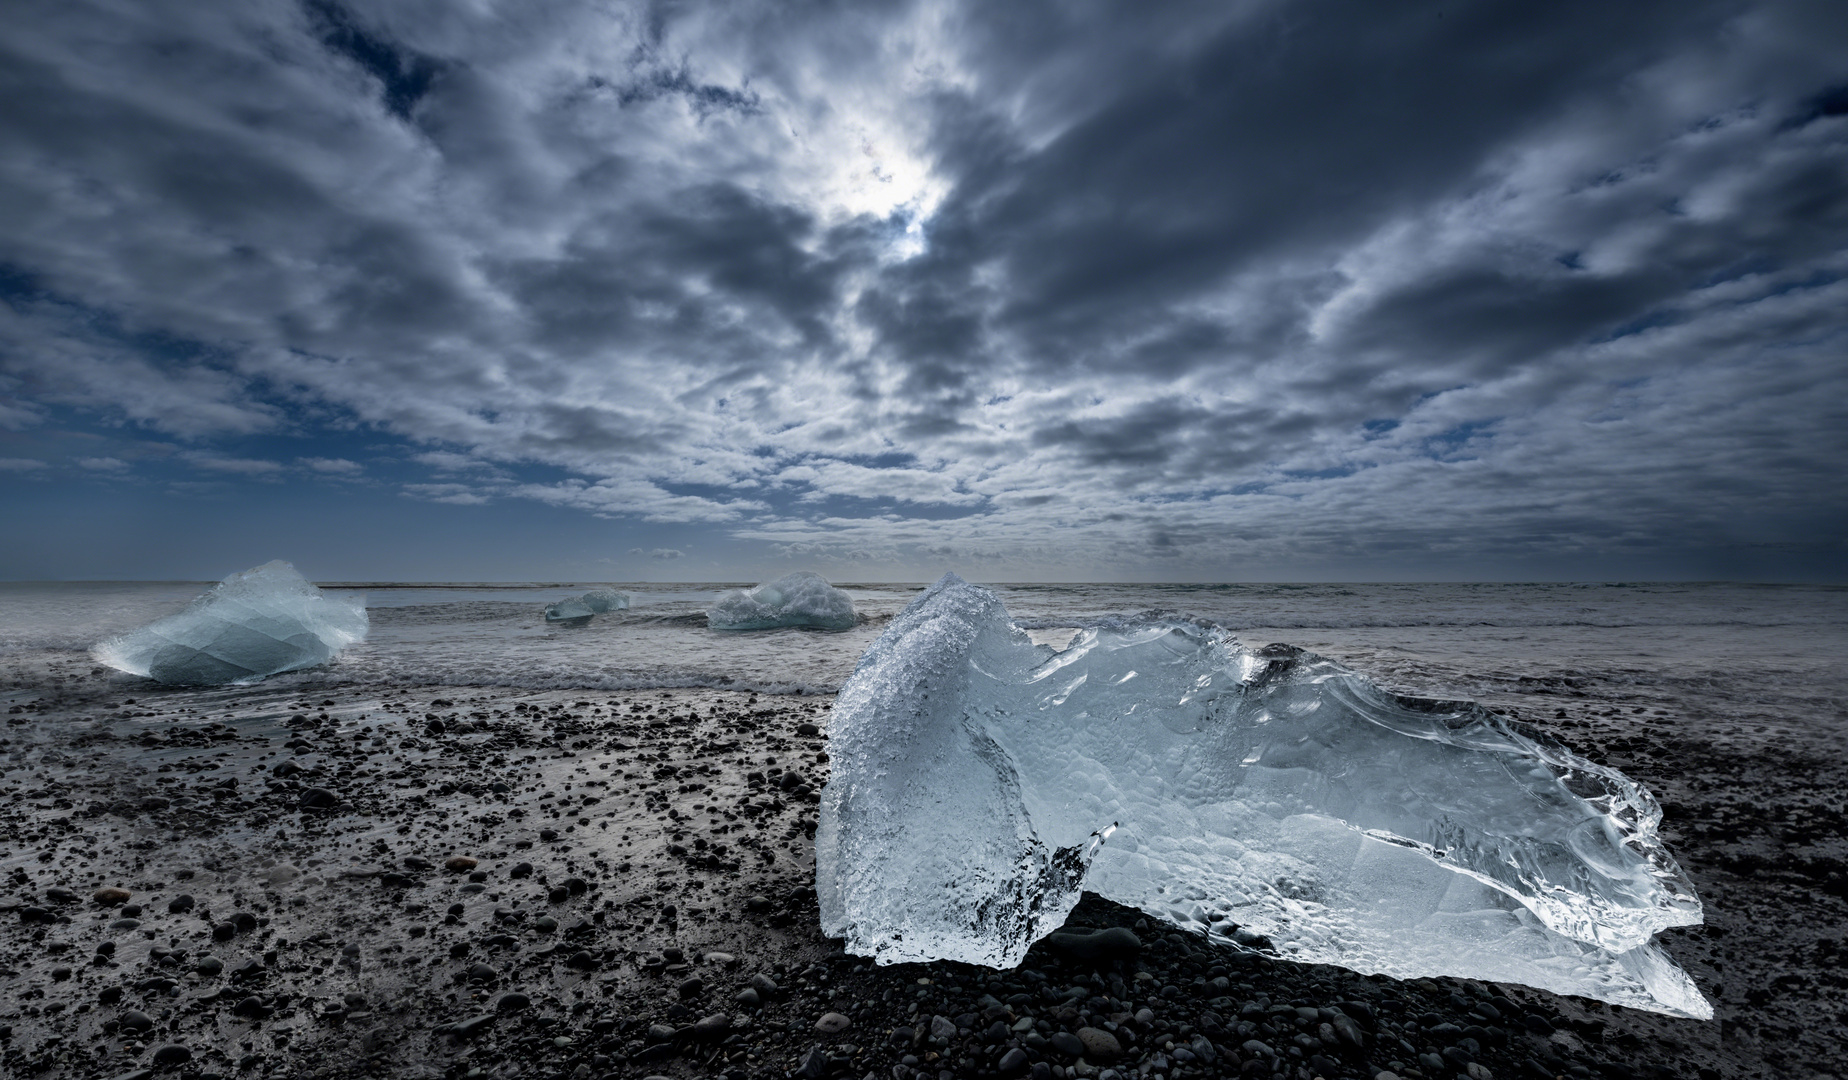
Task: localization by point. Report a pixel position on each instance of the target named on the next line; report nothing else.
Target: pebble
(172, 1054)
(181, 904)
(1063, 1041)
(1100, 1044)
(832, 1023)
(319, 799)
(457, 864)
(712, 1027)
(513, 1002)
(135, 1020)
(110, 897)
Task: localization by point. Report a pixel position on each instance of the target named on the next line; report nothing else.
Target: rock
(1352, 1039)
(832, 1023)
(1099, 1045)
(181, 904)
(251, 1007)
(459, 864)
(473, 1026)
(660, 1033)
(559, 894)
(758, 904)
(942, 1027)
(110, 897)
(712, 1028)
(282, 874)
(244, 921)
(319, 799)
(548, 835)
(814, 1064)
(135, 1074)
(513, 1002)
(1097, 946)
(1012, 1062)
(155, 802)
(1066, 1043)
(582, 961)
(224, 931)
(521, 870)
(417, 862)
(545, 924)
(209, 966)
(60, 896)
(749, 998)
(172, 1054)
(764, 985)
(125, 924)
(135, 1020)
(691, 988)
(806, 728)
(391, 879)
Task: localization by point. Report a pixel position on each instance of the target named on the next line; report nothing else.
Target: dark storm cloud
(1043, 286)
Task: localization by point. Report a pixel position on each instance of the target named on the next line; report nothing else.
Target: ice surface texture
(251, 624)
(1272, 799)
(594, 602)
(798, 599)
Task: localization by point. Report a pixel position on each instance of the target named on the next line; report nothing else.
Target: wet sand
(639, 858)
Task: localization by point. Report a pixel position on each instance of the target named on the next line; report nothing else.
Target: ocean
(1727, 659)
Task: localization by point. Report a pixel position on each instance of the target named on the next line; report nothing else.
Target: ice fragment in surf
(798, 599)
(594, 602)
(981, 781)
(251, 624)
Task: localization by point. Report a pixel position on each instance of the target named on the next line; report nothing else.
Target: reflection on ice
(1271, 799)
(798, 599)
(251, 624)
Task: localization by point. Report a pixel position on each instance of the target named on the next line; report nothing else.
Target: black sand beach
(460, 882)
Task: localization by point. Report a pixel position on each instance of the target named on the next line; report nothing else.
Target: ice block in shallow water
(255, 623)
(594, 602)
(798, 599)
(1273, 798)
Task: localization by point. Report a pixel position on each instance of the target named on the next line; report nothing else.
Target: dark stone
(576, 886)
(521, 870)
(319, 799)
(691, 988)
(712, 1028)
(582, 961)
(814, 1064)
(559, 894)
(806, 728)
(181, 904)
(1012, 1063)
(473, 1026)
(172, 1054)
(250, 1006)
(1097, 946)
(244, 921)
(136, 1020)
(513, 1002)
(391, 879)
(1066, 1043)
(209, 966)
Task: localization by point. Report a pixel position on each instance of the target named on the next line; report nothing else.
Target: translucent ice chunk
(981, 781)
(594, 602)
(251, 624)
(798, 599)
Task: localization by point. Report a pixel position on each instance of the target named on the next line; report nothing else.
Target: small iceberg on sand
(252, 624)
(594, 602)
(798, 599)
(1270, 800)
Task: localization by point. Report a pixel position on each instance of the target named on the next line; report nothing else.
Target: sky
(1221, 291)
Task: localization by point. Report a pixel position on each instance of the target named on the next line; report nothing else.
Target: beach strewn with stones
(466, 882)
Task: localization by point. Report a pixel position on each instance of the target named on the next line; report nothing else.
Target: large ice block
(252, 624)
(798, 599)
(1270, 799)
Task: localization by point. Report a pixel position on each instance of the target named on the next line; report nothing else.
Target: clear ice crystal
(798, 599)
(594, 602)
(1269, 799)
(255, 623)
